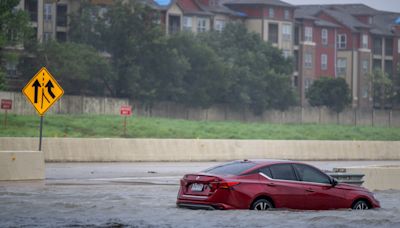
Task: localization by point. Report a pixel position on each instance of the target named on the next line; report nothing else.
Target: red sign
(126, 110)
(6, 104)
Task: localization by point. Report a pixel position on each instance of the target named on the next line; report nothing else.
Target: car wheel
(262, 205)
(360, 205)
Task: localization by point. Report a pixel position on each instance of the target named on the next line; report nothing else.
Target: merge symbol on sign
(43, 91)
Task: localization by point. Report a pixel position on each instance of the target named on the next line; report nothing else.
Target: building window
(308, 60)
(324, 36)
(389, 67)
(47, 12)
(286, 14)
(388, 46)
(341, 41)
(271, 12)
(287, 32)
(324, 62)
(61, 36)
(201, 24)
(377, 46)
(11, 68)
(377, 64)
(32, 7)
(307, 83)
(62, 15)
(273, 33)
(308, 34)
(365, 66)
(296, 35)
(219, 25)
(370, 20)
(364, 41)
(174, 24)
(47, 36)
(364, 92)
(341, 67)
(286, 53)
(187, 23)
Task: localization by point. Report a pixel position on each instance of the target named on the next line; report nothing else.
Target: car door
(319, 192)
(281, 183)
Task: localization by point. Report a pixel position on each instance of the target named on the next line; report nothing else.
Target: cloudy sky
(387, 5)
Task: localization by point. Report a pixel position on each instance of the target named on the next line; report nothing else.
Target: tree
(14, 30)
(331, 92)
(14, 24)
(80, 69)
(2, 80)
(138, 49)
(204, 80)
(258, 75)
(382, 88)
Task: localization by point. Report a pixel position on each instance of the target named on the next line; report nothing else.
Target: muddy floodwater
(132, 196)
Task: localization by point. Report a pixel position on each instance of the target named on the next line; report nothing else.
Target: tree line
(122, 51)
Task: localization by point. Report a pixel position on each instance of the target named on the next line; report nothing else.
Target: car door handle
(271, 184)
(309, 190)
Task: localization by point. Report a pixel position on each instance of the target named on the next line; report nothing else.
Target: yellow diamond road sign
(43, 91)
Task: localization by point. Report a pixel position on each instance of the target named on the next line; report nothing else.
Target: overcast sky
(387, 5)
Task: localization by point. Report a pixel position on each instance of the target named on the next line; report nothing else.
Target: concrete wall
(90, 150)
(21, 165)
(111, 106)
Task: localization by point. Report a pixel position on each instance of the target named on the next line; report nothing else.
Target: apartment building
(353, 39)
(49, 18)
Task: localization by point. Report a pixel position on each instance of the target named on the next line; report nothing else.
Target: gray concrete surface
(22, 165)
(151, 150)
(144, 194)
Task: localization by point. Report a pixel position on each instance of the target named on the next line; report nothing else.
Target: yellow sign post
(42, 91)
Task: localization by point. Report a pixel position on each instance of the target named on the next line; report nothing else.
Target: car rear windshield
(234, 168)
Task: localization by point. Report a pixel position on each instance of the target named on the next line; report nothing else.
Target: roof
(342, 17)
(382, 24)
(356, 9)
(192, 7)
(323, 23)
(258, 2)
(218, 8)
(346, 19)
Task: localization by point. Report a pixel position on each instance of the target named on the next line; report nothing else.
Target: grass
(141, 127)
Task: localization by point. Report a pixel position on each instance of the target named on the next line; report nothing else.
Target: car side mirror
(334, 182)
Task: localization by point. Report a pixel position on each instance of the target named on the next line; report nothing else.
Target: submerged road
(144, 194)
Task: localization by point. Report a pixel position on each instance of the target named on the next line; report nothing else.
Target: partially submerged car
(267, 184)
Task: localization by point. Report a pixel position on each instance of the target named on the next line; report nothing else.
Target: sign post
(42, 91)
(125, 111)
(6, 104)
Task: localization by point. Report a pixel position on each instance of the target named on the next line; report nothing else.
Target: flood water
(122, 201)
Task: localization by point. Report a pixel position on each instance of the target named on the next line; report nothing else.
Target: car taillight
(223, 185)
(227, 184)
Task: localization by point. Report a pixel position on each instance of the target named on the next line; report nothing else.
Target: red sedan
(266, 184)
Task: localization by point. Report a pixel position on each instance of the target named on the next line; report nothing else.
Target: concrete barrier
(106, 149)
(21, 165)
(378, 177)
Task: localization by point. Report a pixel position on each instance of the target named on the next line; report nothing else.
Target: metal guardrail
(349, 178)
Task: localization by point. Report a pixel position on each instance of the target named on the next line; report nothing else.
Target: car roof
(263, 162)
